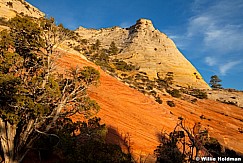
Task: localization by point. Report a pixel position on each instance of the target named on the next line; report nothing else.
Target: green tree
(32, 95)
(96, 46)
(169, 77)
(113, 49)
(215, 82)
(88, 145)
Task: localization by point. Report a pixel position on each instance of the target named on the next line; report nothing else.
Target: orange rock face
(126, 111)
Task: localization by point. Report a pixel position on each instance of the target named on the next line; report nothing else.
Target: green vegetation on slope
(33, 95)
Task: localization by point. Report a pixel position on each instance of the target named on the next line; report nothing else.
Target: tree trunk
(7, 134)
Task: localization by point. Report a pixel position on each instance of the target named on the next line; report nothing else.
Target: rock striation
(149, 49)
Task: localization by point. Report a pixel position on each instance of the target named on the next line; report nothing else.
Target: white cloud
(226, 67)
(210, 61)
(224, 39)
(198, 25)
(216, 27)
(219, 25)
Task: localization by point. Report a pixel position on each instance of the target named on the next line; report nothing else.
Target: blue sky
(208, 32)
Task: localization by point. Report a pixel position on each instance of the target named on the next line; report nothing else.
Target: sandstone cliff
(9, 8)
(149, 49)
(144, 119)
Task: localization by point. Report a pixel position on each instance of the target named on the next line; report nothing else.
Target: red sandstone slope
(126, 110)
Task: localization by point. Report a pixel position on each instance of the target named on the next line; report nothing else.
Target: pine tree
(113, 49)
(215, 82)
(32, 95)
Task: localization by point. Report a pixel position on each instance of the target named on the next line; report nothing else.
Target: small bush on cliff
(174, 93)
(171, 103)
(158, 100)
(96, 46)
(3, 21)
(10, 4)
(113, 50)
(123, 66)
(199, 94)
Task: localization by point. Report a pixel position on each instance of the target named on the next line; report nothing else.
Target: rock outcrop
(149, 49)
(9, 9)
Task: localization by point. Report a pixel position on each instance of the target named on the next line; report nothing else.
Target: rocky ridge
(148, 48)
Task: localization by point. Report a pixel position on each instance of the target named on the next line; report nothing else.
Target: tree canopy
(215, 82)
(32, 94)
(113, 49)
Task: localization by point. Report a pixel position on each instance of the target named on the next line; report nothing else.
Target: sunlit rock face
(149, 49)
(9, 9)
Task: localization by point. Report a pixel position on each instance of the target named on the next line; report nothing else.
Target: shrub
(141, 72)
(84, 41)
(194, 100)
(77, 48)
(171, 103)
(3, 21)
(123, 66)
(217, 150)
(230, 102)
(174, 147)
(113, 49)
(168, 152)
(174, 93)
(87, 146)
(158, 100)
(10, 4)
(199, 94)
(169, 77)
(96, 46)
(202, 117)
(153, 92)
(27, 6)
(161, 84)
(149, 87)
(124, 75)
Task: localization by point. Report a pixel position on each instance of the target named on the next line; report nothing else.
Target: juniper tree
(169, 77)
(215, 82)
(96, 46)
(32, 95)
(113, 49)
